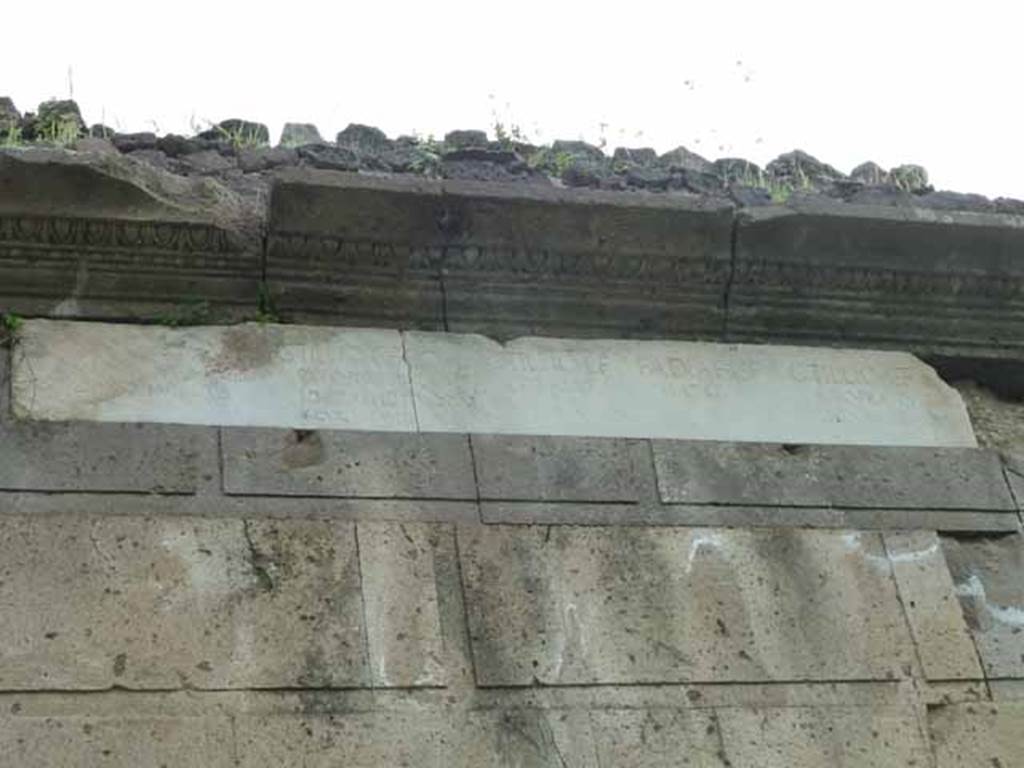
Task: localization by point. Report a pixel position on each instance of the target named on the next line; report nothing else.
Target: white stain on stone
(973, 587)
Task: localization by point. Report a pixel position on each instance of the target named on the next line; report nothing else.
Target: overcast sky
(936, 83)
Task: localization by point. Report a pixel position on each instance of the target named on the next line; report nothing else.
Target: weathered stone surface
(378, 380)
(76, 456)
(171, 602)
(926, 590)
(998, 422)
(116, 742)
(502, 259)
(978, 735)
(658, 738)
(561, 468)
(681, 390)
(247, 375)
(347, 464)
(830, 476)
(400, 595)
(806, 737)
(656, 605)
(989, 576)
(909, 278)
(102, 235)
(297, 134)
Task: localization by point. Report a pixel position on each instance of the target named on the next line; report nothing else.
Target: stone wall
(198, 577)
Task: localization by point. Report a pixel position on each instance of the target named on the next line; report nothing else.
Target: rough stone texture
(104, 236)
(348, 464)
(503, 259)
(830, 476)
(76, 456)
(918, 280)
(561, 468)
(926, 590)
(988, 573)
(989, 735)
(998, 421)
(658, 738)
(247, 375)
(379, 380)
(116, 742)
(169, 602)
(804, 737)
(629, 605)
(681, 390)
(400, 594)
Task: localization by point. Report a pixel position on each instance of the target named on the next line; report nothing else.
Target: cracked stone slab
(377, 380)
(347, 464)
(812, 737)
(929, 598)
(123, 458)
(988, 577)
(126, 741)
(576, 606)
(982, 734)
(830, 476)
(169, 602)
(558, 469)
(400, 595)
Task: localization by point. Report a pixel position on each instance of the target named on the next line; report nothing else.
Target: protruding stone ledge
(90, 235)
(379, 380)
(931, 282)
(506, 260)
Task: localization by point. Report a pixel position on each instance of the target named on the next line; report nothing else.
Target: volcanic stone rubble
(391, 532)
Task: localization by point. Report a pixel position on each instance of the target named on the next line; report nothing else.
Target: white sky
(937, 83)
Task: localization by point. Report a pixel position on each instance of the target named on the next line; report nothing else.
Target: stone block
(128, 741)
(830, 476)
(926, 590)
(914, 279)
(289, 462)
(684, 390)
(982, 734)
(157, 603)
(658, 738)
(578, 606)
(378, 380)
(400, 598)
(86, 234)
(988, 574)
(506, 260)
(245, 375)
(122, 458)
(812, 737)
(558, 469)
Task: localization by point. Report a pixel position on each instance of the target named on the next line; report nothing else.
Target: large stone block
(129, 741)
(681, 390)
(102, 235)
(831, 476)
(926, 590)
(379, 380)
(506, 260)
(556, 469)
(923, 280)
(348, 464)
(814, 737)
(246, 375)
(575, 606)
(988, 573)
(981, 734)
(659, 738)
(161, 602)
(84, 457)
